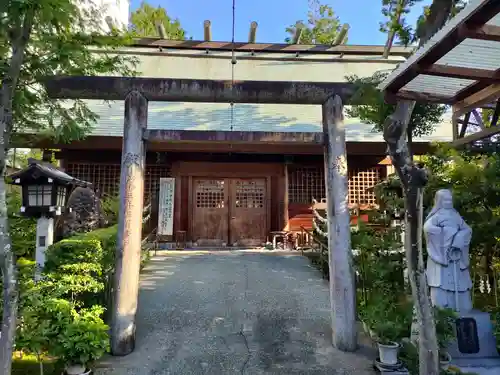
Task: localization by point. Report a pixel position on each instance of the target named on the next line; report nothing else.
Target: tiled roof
(246, 117)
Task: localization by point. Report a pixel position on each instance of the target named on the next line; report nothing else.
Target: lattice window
(106, 178)
(305, 183)
(250, 193)
(210, 193)
(359, 181)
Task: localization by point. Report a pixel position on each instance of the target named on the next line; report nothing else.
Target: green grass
(28, 365)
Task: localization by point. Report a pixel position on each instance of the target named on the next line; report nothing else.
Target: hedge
(107, 238)
(71, 251)
(88, 250)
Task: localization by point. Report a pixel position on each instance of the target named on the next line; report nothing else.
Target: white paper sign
(166, 207)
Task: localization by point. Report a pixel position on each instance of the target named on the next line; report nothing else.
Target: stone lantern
(45, 191)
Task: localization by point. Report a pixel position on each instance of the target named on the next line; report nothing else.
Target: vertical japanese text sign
(166, 207)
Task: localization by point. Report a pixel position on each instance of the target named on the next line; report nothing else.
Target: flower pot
(444, 360)
(388, 353)
(77, 370)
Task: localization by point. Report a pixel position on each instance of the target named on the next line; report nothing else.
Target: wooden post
(128, 252)
(284, 224)
(342, 288)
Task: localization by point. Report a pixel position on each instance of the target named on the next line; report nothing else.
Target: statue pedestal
(475, 349)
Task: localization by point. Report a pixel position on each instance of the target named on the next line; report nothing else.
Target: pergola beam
(316, 49)
(485, 133)
(465, 124)
(490, 76)
(485, 96)
(421, 97)
(195, 90)
(480, 16)
(485, 32)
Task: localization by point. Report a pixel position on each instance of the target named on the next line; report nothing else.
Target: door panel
(248, 222)
(210, 211)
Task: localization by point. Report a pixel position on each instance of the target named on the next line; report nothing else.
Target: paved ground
(234, 313)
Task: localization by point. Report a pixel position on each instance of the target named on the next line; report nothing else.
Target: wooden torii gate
(136, 92)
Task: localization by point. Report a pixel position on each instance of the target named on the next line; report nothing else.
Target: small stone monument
(448, 238)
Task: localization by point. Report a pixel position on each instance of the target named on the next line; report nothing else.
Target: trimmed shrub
(107, 237)
(72, 251)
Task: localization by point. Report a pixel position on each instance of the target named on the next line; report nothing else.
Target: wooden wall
(287, 210)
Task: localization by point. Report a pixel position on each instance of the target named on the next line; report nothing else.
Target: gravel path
(235, 312)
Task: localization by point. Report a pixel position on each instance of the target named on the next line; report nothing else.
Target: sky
(273, 16)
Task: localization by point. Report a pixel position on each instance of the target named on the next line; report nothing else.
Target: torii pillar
(128, 251)
(342, 282)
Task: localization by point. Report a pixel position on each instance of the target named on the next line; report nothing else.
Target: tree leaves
(321, 27)
(66, 40)
(143, 22)
(369, 106)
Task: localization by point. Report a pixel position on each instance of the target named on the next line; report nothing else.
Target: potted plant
(83, 340)
(387, 335)
(445, 332)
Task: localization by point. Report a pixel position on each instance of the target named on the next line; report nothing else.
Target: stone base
(486, 340)
(480, 366)
(381, 370)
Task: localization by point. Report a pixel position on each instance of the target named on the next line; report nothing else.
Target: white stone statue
(448, 238)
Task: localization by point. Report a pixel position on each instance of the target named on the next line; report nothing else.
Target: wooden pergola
(459, 66)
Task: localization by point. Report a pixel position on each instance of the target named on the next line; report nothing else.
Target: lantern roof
(37, 169)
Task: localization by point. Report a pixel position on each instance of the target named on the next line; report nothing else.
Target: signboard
(166, 207)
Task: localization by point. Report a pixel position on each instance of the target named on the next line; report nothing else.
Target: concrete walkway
(235, 312)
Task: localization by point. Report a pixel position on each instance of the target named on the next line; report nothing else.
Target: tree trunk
(342, 283)
(20, 37)
(128, 252)
(392, 32)
(413, 179)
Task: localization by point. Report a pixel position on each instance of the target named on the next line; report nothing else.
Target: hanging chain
(233, 63)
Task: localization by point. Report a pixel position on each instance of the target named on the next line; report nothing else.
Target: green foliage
(22, 229)
(369, 106)
(395, 11)
(72, 251)
(476, 192)
(83, 339)
(80, 268)
(388, 319)
(107, 238)
(144, 19)
(60, 315)
(27, 364)
(322, 25)
(378, 260)
(111, 207)
(419, 31)
(52, 325)
(61, 42)
(445, 326)
(19, 158)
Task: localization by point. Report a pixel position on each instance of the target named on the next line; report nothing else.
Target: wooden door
(210, 211)
(248, 209)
